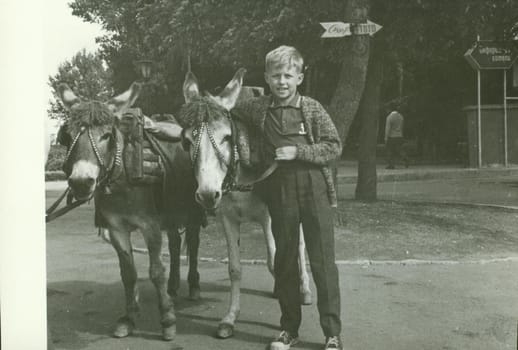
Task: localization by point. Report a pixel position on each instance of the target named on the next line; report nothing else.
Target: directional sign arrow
(341, 29)
(336, 29)
(491, 55)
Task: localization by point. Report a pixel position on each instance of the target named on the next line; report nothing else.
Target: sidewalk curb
(397, 175)
(362, 262)
(509, 208)
(424, 174)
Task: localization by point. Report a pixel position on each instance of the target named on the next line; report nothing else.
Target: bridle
(108, 173)
(230, 180)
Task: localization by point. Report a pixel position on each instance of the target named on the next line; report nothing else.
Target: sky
(64, 35)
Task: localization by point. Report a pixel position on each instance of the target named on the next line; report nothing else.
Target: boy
(298, 134)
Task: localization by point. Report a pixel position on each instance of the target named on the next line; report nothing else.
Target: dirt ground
(448, 305)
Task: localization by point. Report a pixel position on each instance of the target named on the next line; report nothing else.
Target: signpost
(486, 55)
(341, 29)
(491, 55)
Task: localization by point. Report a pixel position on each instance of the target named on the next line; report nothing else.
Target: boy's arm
(164, 130)
(328, 147)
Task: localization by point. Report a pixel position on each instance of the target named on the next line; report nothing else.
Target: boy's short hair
(284, 55)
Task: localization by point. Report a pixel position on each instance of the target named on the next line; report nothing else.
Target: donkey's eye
(106, 136)
(227, 138)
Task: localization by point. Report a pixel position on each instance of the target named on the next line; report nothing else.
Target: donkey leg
(266, 224)
(305, 291)
(153, 237)
(226, 325)
(192, 235)
(121, 242)
(174, 244)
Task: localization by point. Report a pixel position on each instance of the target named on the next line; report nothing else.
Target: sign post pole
(505, 118)
(479, 121)
(489, 55)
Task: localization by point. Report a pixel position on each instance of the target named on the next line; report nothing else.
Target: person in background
(394, 137)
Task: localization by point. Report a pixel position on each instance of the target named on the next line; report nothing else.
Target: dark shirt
(284, 126)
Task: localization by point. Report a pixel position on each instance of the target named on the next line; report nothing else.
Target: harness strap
(56, 203)
(51, 215)
(264, 175)
(109, 174)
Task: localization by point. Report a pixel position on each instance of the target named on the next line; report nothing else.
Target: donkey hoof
(169, 333)
(306, 298)
(123, 328)
(225, 330)
(194, 294)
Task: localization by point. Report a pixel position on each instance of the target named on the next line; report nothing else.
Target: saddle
(142, 162)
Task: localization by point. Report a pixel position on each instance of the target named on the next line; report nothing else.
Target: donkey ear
(228, 97)
(190, 87)
(67, 96)
(119, 104)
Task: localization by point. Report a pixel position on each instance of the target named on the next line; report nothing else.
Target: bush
(56, 158)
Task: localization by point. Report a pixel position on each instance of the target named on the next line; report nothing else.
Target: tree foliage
(86, 75)
(423, 42)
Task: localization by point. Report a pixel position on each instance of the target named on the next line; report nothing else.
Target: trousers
(297, 194)
(395, 151)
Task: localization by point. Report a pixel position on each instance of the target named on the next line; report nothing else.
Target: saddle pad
(142, 163)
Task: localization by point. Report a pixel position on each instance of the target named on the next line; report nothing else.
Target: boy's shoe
(284, 341)
(333, 343)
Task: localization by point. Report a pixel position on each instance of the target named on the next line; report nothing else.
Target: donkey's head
(208, 136)
(93, 141)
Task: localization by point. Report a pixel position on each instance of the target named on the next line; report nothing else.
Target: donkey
(96, 168)
(210, 136)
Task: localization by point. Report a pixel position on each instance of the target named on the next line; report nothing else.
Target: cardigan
(323, 146)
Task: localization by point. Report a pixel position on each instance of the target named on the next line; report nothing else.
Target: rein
(51, 215)
(230, 182)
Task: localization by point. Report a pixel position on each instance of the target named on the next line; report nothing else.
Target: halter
(229, 183)
(108, 174)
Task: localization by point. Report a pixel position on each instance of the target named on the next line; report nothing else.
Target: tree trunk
(366, 186)
(346, 99)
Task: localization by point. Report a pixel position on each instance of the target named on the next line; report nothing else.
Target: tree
(420, 51)
(422, 43)
(86, 75)
(219, 36)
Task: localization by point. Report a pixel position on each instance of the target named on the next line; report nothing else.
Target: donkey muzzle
(82, 188)
(208, 199)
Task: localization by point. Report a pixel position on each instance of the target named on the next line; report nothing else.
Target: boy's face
(283, 81)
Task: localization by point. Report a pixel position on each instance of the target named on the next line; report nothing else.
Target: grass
(382, 230)
(387, 230)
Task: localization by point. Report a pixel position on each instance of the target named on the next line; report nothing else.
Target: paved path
(383, 307)
(386, 306)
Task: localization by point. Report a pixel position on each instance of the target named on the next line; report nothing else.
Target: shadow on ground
(83, 312)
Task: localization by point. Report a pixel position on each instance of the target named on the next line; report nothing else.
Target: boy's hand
(286, 153)
(150, 125)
